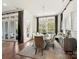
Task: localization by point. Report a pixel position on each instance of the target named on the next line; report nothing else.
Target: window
(51, 25)
(47, 25)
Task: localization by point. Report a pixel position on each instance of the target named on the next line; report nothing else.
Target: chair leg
(42, 52)
(14, 44)
(53, 45)
(35, 51)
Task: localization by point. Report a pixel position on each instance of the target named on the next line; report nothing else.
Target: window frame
(56, 22)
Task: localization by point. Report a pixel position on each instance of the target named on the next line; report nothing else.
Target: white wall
(29, 21)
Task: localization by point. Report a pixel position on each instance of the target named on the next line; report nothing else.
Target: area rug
(51, 53)
(29, 51)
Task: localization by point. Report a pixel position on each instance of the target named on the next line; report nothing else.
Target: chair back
(53, 38)
(39, 43)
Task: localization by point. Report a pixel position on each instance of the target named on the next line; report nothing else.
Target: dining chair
(52, 40)
(39, 44)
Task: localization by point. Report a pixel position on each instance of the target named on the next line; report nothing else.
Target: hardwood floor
(10, 52)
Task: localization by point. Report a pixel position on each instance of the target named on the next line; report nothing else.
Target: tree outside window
(47, 25)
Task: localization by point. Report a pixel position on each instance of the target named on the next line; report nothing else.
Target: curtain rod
(11, 11)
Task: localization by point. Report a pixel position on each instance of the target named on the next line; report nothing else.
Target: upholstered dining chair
(52, 40)
(39, 44)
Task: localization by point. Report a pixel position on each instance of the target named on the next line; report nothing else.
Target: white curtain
(66, 23)
(9, 24)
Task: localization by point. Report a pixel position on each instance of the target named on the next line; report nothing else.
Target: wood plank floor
(10, 52)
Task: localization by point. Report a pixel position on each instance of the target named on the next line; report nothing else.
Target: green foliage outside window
(47, 25)
(51, 26)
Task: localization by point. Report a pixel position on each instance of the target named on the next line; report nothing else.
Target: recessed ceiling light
(4, 4)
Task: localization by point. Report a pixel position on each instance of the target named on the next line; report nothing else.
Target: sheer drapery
(9, 25)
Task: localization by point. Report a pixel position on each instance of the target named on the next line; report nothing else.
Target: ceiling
(35, 7)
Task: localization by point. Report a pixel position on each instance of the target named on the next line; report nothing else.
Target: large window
(47, 25)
